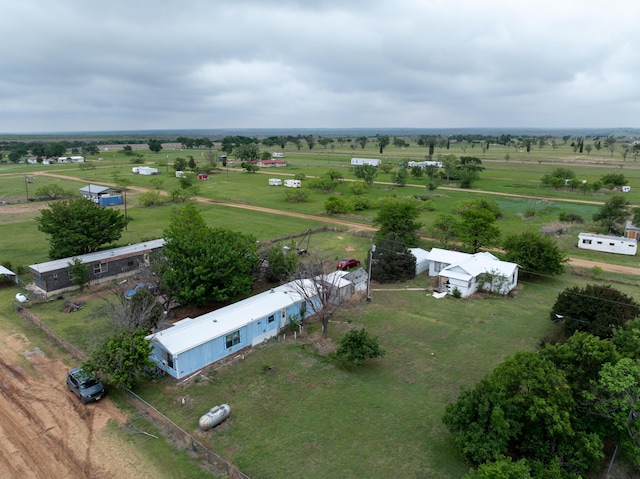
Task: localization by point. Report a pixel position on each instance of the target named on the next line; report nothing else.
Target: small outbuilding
(608, 244)
(7, 273)
(102, 195)
(422, 259)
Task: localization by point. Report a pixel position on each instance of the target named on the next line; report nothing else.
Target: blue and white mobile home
(194, 343)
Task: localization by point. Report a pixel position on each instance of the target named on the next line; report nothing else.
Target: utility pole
(371, 251)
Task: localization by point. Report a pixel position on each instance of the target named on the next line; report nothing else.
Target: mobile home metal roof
(191, 332)
(98, 256)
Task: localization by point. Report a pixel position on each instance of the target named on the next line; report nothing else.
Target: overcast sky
(78, 65)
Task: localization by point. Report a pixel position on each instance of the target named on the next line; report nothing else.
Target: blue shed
(102, 195)
(193, 343)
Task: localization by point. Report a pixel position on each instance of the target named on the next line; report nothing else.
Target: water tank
(214, 417)
(22, 298)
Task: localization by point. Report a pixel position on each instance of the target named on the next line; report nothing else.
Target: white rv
(292, 183)
(275, 182)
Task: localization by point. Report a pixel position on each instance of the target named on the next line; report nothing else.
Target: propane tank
(214, 417)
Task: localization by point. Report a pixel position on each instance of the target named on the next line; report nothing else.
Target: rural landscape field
(296, 412)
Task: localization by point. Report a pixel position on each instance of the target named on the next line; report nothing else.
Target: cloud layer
(74, 65)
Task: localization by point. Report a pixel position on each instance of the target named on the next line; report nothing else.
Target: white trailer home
(275, 182)
(293, 183)
(365, 161)
(608, 244)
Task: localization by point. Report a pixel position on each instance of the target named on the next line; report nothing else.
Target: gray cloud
(77, 65)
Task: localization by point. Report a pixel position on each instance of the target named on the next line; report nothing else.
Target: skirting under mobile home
(608, 244)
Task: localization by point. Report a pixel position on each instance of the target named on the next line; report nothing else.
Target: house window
(100, 268)
(232, 339)
(272, 318)
(167, 359)
(130, 263)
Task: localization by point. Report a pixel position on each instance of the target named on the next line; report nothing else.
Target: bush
(360, 203)
(337, 205)
(295, 195)
(357, 346)
(570, 218)
(151, 198)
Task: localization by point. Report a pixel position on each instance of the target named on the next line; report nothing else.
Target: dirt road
(46, 432)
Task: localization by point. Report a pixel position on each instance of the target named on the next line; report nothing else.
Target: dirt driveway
(46, 432)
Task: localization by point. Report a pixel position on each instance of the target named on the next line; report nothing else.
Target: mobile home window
(167, 359)
(55, 275)
(232, 339)
(100, 268)
(272, 318)
(586, 241)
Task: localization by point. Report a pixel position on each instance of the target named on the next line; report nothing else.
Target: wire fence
(181, 437)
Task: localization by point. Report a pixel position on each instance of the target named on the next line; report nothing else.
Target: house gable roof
(446, 256)
(477, 264)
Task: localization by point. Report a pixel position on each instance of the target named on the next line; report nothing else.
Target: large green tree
(398, 217)
(155, 145)
(366, 173)
(203, 264)
(523, 409)
(121, 359)
(535, 253)
(595, 309)
(79, 226)
(392, 261)
(476, 229)
(613, 213)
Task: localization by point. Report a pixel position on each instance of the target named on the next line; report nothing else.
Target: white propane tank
(214, 417)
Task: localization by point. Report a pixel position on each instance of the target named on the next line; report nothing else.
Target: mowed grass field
(308, 417)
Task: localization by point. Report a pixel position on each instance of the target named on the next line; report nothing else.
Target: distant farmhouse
(468, 272)
(102, 195)
(52, 277)
(57, 159)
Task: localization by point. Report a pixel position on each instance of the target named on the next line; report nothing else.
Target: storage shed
(608, 244)
(194, 343)
(422, 259)
(102, 195)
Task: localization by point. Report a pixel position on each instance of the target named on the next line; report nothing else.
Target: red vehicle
(346, 263)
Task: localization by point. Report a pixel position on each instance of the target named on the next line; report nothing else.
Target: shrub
(295, 195)
(570, 218)
(151, 198)
(337, 205)
(360, 203)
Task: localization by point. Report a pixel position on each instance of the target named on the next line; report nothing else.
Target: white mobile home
(365, 161)
(293, 183)
(194, 343)
(608, 244)
(275, 182)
